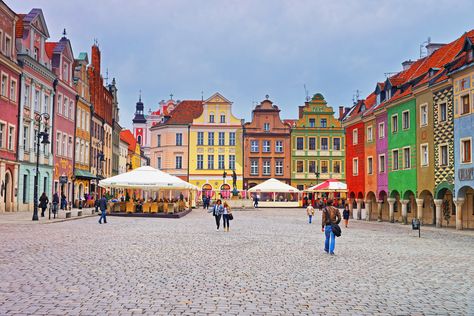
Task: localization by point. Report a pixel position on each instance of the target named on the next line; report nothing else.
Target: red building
(62, 59)
(9, 101)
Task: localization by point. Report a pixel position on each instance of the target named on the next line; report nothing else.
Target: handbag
(336, 229)
(231, 217)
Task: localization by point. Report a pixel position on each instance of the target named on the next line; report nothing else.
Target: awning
(84, 174)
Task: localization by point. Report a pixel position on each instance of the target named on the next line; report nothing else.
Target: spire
(139, 107)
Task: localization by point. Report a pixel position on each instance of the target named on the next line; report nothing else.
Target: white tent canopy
(331, 185)
(273, 185)
(146, 178)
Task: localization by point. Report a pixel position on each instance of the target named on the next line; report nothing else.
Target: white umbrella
(273, 185)
(146, 178)
(331, 185)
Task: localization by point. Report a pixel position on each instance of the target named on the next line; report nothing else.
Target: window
(406, 120)
(299, 143)
(406, 158)
(266, 167)
(381, 163)
(312, 122)
(254, 146)
(139, 139)
(424, 115)
(222, 118)
(464, 100)
(254, 167)
(69, 148)
(8, 48)
(336, 143)
(221, 138)
(312, 143)
(46, 104)
(369, 134)
(210, 138)
(66, 108)
(37, 100)
(278, 146)
(60, 108)
(324, 166)
(232, 139)
(394, 123)
(158, 140)
(2, 135)
(210, 162)
(424, 155)
(25, 188)
(395, 160)
(65, 72)
(443, 113)
(27, 96)
(58, 143)
(370, 165)
(78, 147)
(336, 166)
(35, 54)
(278, 167)
(200, 162)
(71, 110)
(200, 140)
(324, 143)
(299, 166)
(220, 162)
(211, 118)
(26, 136)
(64, 149)
(355, 166)
(4, 85)
(179, 139)
(312, 166)
(443, 155)
(466, 150)
(266, 127)
(232, 162)
(381, 130)
(179, 162)
(355, 136)
(13, 90)
(324, 123)
(266, 146)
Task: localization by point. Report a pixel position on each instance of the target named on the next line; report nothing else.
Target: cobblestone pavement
(271, 262)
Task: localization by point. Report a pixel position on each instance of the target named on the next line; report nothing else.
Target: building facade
(266, 146)
(116, 128)
(9, 103)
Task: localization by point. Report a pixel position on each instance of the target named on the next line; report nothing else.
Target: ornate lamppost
(100, 158)
(317, 174)
(44, 138)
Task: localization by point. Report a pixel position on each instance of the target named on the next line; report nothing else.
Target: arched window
(139, 139)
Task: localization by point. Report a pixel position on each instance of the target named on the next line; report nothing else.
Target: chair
(146, 207)
(130, 207)
(154, 207)
(165, 207)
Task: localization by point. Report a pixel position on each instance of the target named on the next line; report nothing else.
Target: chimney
(432, 47)
(407, 63)
(300, 111)
(341, 111)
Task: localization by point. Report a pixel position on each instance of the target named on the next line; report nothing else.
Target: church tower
(139, 123)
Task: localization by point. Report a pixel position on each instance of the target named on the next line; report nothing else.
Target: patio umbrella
(331, 185)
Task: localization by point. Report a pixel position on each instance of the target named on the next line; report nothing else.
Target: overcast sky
(247, 49)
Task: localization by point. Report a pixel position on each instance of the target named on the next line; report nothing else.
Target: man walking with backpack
(330, 217)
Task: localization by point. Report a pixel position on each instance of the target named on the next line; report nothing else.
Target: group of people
(44, 201)
(223, 211)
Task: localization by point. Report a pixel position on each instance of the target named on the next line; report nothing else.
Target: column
(351, 207)
(459, 202)
(368, 209)
(404, 211)
(15, 189)
(438, 204)
(419, 210)
(359, 208)
(2, 181)
(391, 202)
(379, 210)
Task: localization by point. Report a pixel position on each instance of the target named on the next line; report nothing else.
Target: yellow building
(134, 157)
(215, 147)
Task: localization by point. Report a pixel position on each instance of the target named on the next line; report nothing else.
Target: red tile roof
(49, 47)
(185, 112)
(127, 136)
(19, 26)
(291, 122)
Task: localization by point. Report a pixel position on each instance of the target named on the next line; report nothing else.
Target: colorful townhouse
(9, 100)
(317, 145)
(133, 154)
(169, 143)
(64, 110)
(38, 84)
(267, 143)
(215, 151)
(82, 157)
(116, 128)
(461, 70)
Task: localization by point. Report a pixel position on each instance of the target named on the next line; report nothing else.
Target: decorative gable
(217, 98)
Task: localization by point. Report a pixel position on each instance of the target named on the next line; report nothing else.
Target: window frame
(422, 162)
(381, 128)
(256, 148)
(407, 112)
(462, 153)
(297, 143)
(355, 166)
(462, 98)
(266, 167)
(334, 164)
(321, 143)
(321, 165)
(440, 154)
(178, 162)
(200, 138)
(423, 106)
(355, 136)
(395, 160)
(266, 146)
(254, 167)
(370, 165)
(370, 132)
(394, 130)
(444, 105)
(278, 146)
(381, 166)
(314, 143)
(278, 164)
(404, 158)
(297, 165)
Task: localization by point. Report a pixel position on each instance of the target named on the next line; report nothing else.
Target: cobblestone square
(271, 262)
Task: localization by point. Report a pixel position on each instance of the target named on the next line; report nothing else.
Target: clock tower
(139, 123)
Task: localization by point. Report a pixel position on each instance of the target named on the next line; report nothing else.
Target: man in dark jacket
(55, 203)
(103, 209)
(331, 215)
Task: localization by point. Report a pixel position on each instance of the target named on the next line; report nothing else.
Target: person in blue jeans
(103, 210)
(331, 215)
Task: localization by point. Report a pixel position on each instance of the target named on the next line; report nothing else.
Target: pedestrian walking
(55, 202)
(345, 215)
(310, 212)
(217, 211)
(227, 215)
(63, 201)
(43, 203)
(103, 209)
(255, 201)
(330, 216)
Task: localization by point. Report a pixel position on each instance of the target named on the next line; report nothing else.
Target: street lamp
(316, 173)
(44, 137)
(100, 158)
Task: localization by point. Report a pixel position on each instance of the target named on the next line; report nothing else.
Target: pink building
(9, 99)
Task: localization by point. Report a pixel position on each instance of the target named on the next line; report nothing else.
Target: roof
(127, 136)
(291, 122)
(185, 112)
(19, 26)
(50, 48)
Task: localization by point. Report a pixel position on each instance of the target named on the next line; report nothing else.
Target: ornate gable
(39, 22)
(217, 98)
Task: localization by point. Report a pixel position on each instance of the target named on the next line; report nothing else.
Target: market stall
(274, 193)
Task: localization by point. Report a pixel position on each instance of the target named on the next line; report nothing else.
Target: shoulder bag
(336, 229)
